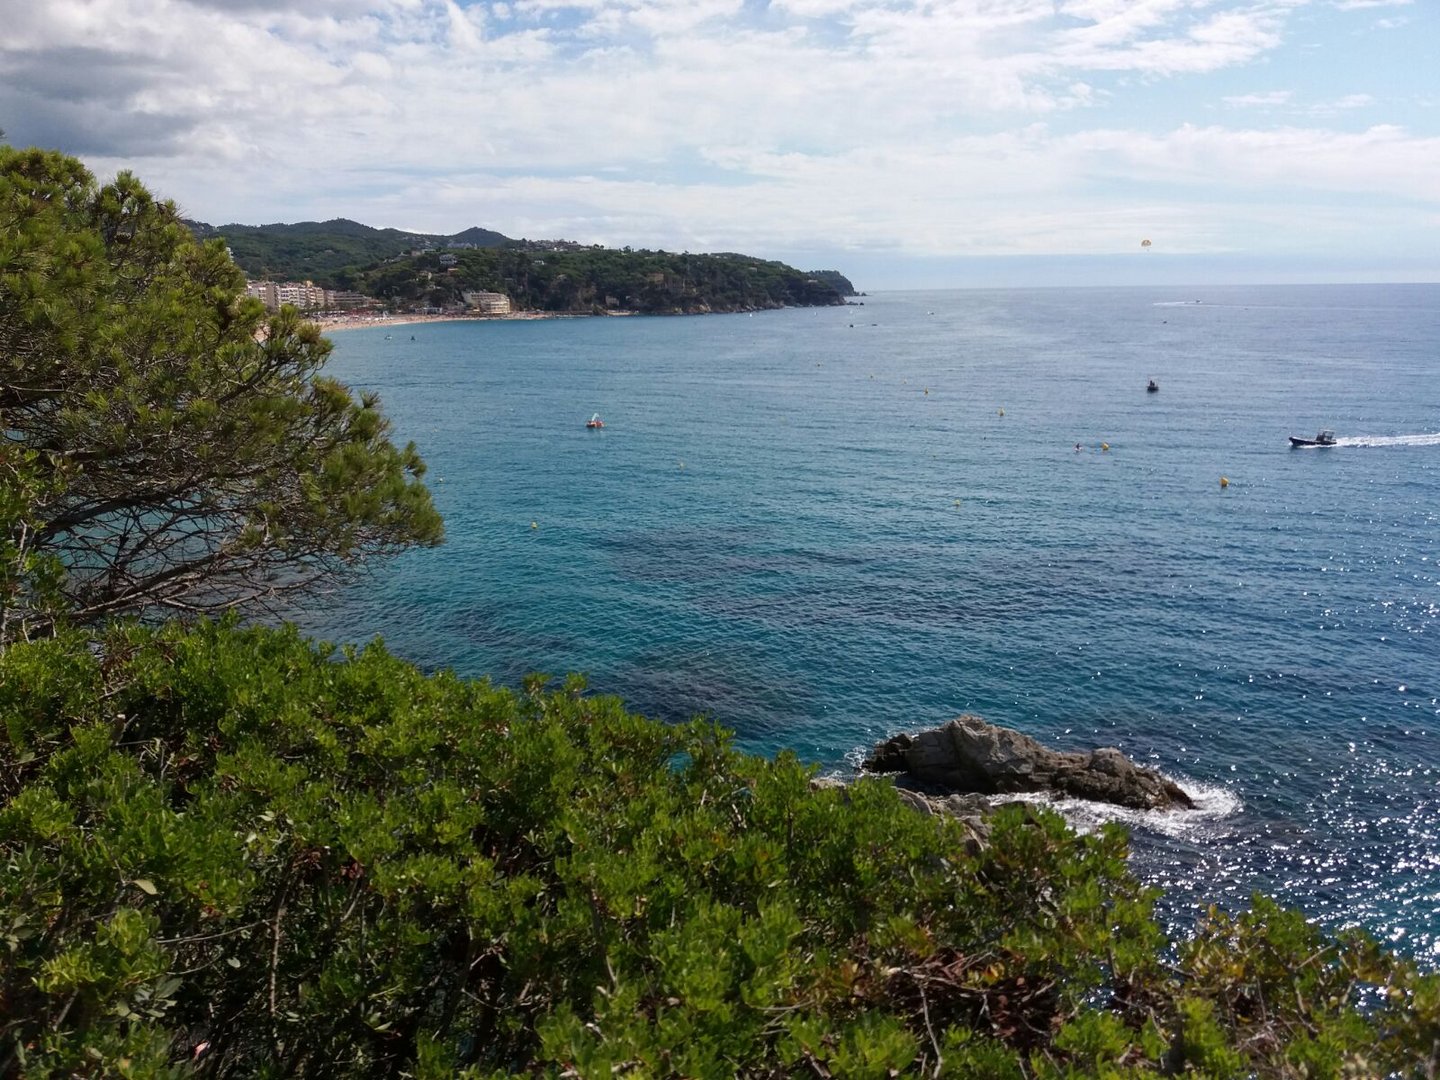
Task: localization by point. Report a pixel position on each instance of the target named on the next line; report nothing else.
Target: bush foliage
(230, 852)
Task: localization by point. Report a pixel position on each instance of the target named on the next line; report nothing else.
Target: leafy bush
(232, 852)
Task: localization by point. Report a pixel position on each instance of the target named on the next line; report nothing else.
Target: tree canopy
(325, 250)
(165, 444)
(582, 280)
(560, 276)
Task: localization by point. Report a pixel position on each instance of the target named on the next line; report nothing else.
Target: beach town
(336, 309)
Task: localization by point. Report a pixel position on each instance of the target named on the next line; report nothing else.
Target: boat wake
(1390, 440)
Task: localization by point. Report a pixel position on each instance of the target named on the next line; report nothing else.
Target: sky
(907, 143)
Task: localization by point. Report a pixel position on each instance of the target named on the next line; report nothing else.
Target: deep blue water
(821, 526)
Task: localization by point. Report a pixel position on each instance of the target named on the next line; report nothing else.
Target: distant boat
(595, 422)
(1323, 438)
(1151, 386)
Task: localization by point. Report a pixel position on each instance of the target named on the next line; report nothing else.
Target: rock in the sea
(969, 755)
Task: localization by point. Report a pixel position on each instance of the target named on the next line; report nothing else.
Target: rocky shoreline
(968, 756)
(957, 768)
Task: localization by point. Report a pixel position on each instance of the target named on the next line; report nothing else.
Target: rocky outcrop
(968, 755)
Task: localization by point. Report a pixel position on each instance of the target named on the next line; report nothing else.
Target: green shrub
(231, 852)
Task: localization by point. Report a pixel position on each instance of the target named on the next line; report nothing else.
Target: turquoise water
(821, 526)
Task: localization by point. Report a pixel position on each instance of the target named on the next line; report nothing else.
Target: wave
(1432, 439)
(1212, 803)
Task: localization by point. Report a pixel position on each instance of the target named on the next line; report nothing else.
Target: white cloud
(1383, 161)
(1225, 39)
(1349, 101)
(1266, 100)
(907, 124)
(1030, 191)
(816, 9)
(655, 71)
(1115, 22)
(1285, 101)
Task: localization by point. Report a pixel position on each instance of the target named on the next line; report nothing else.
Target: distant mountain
(482, 238)
(329, 253)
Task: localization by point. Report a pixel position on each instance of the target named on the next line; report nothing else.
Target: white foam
(1390, 440)
(1212, 803)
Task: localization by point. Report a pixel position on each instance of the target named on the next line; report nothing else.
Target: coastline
(332, 323)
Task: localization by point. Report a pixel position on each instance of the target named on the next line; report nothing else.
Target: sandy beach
(332, 323)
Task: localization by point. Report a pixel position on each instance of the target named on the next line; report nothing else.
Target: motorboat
(1151, 386)
(594, 422)
(1322, 438)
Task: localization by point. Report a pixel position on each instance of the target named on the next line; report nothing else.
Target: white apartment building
(487, 303)
(307, 296)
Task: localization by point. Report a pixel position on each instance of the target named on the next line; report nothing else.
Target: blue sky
(909, 143)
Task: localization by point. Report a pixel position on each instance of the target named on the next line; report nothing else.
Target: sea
(822, 526)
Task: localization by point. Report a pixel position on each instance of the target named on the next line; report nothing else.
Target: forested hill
(423, 270)
(320, 251)
(591, 280)
(837, 279)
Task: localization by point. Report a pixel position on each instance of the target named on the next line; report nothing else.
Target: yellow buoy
(1104, 446)
(1224, 481)
(534, 525)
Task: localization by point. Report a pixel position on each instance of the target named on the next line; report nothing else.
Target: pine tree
(165, 446)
